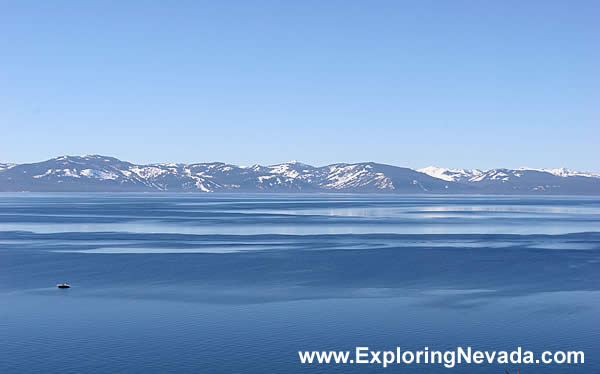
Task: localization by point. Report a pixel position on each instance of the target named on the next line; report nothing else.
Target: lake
(239, 283)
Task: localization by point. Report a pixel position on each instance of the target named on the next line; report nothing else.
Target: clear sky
(411, 83)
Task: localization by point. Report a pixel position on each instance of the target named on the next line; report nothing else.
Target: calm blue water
(189, 283)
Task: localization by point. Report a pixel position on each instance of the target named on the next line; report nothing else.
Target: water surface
(195, 283)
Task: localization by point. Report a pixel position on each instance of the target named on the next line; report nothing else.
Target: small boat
(63, 285)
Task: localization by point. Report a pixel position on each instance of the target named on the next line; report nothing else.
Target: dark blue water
(188, 283)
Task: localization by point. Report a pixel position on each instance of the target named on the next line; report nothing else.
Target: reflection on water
(296, 214)
(194, 283)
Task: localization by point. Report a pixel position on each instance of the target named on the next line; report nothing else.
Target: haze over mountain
(107, 174)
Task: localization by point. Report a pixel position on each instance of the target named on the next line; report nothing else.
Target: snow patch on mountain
(148, 171)
(72, 173)
(355, 176)
(450, 175)
(99, 174)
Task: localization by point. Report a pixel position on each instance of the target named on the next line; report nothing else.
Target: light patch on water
(158, 250)
(304, 228)
(447, 292)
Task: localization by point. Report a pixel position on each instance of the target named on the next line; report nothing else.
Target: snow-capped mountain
(564, 172)
(476, 175)
(102, 173)
(522, 180)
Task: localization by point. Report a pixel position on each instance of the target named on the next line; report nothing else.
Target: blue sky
(412, 83)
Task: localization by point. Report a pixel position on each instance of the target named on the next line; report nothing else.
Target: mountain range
(96, 173)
